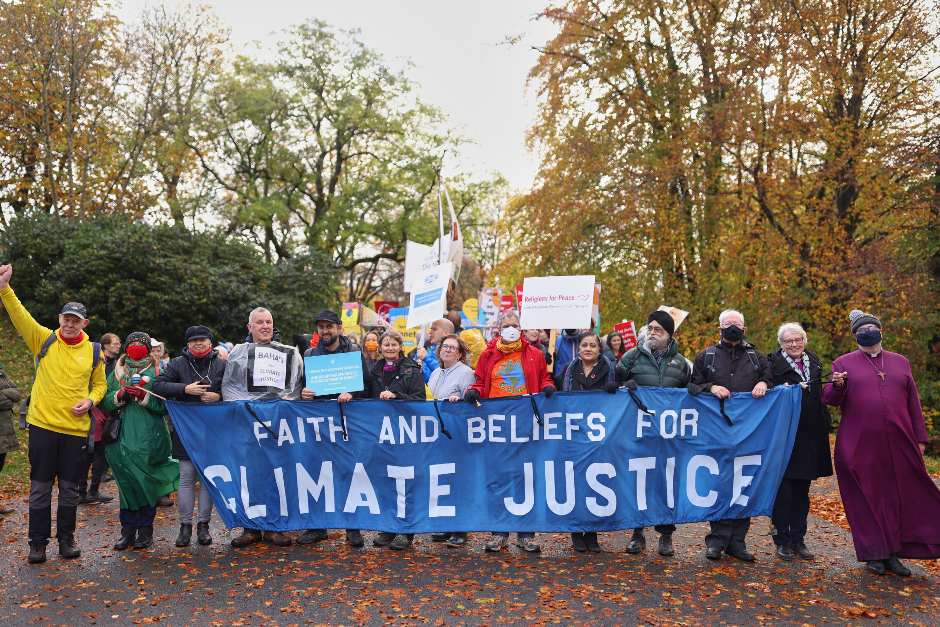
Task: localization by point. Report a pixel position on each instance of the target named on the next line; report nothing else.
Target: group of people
(891, 503)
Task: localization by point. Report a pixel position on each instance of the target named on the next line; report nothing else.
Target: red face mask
(137, 351)
(200, 353)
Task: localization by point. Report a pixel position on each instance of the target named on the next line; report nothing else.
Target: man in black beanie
(656, 363)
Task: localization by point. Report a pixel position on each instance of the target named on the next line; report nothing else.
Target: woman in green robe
(140, 459)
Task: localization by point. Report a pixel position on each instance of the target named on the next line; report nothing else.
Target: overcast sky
(461, 63)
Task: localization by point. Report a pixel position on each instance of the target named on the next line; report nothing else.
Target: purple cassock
(892, 504)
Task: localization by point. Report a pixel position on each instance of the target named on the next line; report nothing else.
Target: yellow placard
(471, 309)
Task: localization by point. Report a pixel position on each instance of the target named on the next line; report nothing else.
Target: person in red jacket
(510, 366)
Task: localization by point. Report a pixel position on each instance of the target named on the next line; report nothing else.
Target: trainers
(311, 536)
(637, 542)
(185, 536)
(67, 548)
(37, 553)
(278, 539)
(496, 543)
(665, 545)
(383, 538)
(354, 538)
(528, 545)
(247, 536)
(202, 533)
(457, 539)
(402, 541)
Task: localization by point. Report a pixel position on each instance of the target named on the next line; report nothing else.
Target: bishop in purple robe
(892, 504)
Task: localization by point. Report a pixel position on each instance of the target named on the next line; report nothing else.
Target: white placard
(429, 295)
(557, 302)
(419, 258)
(678, 315)
(270, 368)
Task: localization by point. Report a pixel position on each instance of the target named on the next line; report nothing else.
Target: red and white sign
(627, 331)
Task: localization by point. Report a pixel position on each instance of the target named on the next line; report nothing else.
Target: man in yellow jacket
(67, 385)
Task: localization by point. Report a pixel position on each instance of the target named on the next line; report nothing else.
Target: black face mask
(732, 333)
(868, 338)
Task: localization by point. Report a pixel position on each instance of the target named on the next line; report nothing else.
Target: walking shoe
(440, 537)
(67, 548)
(246, 537)
(185, 536)
(202, 533)
(665, 545)
(802, 552)
(127, 538)
(402, 541)
(590, 539)
(637, 542)
(457, 539)
(741, 554)
(383, 538)
(37, 553)
(577, 541)
(496, 543)
(354, 538)
(144, 537)
(528, 545)
(895, 566)
(310, 536)
(784, 552)
(278, 539)
(97, 497)
(84, 499)
(713, 553)
(876, 566)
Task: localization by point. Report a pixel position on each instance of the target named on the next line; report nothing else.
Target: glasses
(655, 329)
(795, 342)
(449, 347)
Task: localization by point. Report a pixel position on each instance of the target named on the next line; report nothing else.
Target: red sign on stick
(628, 332)
(506, 303)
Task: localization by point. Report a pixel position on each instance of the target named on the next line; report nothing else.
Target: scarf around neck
(508, 347)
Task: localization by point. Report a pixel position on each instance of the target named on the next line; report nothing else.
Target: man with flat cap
(193, 377)
(332, 341)
(69, 381)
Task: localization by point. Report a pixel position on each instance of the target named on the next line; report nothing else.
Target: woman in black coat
(811, 457)
(395, 376)
(193, 377)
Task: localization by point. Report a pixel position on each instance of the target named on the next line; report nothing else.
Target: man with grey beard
(656, 362)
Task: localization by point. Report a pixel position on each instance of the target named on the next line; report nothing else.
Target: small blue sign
(428, 298)
(334, 374)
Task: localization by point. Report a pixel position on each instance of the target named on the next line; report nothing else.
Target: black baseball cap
(75, 309)
(198, 332)
(328, 316)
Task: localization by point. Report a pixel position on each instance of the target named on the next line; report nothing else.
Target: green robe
(140, 459)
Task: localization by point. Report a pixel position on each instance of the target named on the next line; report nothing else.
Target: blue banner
(573, 462)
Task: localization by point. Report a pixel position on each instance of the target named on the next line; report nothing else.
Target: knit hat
(858, 318)
(664, 320)
(138, 337)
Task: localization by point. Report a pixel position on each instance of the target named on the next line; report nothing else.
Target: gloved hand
(471, 396)
(548, 390)
(120, 396)
(611, 388)
(137, 393)
(630, 385)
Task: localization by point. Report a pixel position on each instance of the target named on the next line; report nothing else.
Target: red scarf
(70, 341)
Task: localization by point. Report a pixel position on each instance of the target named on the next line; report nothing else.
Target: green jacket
(140, 459)
(9, 397)
(639, 365)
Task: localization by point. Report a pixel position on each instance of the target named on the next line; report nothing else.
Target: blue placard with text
(334, 374)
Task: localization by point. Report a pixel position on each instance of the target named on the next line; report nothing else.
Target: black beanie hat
(858, 318)
(664, 320)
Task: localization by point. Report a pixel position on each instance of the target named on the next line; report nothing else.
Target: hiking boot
(37, 553)
(440, 537)
(637, 542)
(528, 545)
(97, 497)
(310, 536)
(354, 538)
(876, 566)
(802, 552)
(67, 548)
(246, 537)
(741, 554)
(278, 539)
(590, 539)
(383, 538)
(665, 545)
(185, 536)
(402, 541)
(127, 538)
(144, 537)
(784, 552)
(713, 553)
(577, 541)
(457, 539)
(895, 566)
(202, 533)
(496, 543)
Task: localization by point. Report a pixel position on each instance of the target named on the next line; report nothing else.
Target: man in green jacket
(656, 363)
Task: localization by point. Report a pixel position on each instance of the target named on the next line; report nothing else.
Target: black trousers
(138, 518)
(790, 511)
(53, 457)
(660, 529)
(98, 464)
(728, 534)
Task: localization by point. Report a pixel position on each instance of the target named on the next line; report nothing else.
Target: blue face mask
(868, 338)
